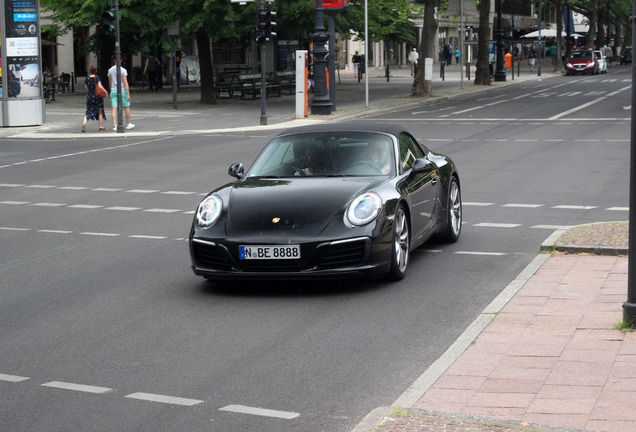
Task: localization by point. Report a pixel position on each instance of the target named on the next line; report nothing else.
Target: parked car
(581, 62)
(626, 56)
(348, 200)
(601, 60)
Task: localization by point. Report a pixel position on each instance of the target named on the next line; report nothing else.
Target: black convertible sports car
(328, 201)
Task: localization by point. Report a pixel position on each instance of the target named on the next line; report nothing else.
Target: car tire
(453, 211)
(400, 246)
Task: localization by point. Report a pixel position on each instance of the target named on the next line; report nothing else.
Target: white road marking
(158, 210)
(85, 206)
(73, 188)
(100, 234)
(12, 378)
(523, 205)
(77, 387)
(570, 111)
(260, 412)
(14, 202)
(107, 190)
(37, 186)
(573, 207)
(123, 208)
(11, 185)
(478, 204)
(15, 229)
(142, 191)
(147, 237)
(618, 208)
(178, 193)
(55, 231)
(164, 399)
(496, 225)
(45, 204)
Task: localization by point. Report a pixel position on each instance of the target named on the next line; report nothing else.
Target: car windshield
(581, 55)
(326, 154)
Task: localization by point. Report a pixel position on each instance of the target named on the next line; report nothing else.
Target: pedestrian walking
(151, 69)
(355, 59)
(125, 94)
(457, 55)
(94, 104)
(609, 55)
(447, 55)
(177, 72)
(532, 57)
(413, 58)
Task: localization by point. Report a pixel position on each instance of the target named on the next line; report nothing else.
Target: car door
(421, 188)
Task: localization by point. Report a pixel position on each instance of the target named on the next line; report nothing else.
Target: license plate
(269, 252)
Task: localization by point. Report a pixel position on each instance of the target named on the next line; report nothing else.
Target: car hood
(580, 61)
(293, 203)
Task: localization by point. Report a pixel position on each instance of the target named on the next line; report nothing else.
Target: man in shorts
(125, 94)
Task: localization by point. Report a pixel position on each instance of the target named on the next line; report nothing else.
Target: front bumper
(342, 258)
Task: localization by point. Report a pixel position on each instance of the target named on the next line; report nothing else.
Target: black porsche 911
(327, 201)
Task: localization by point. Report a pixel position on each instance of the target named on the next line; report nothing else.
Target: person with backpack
(151, 69)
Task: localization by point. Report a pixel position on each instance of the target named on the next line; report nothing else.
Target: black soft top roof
(389, 128)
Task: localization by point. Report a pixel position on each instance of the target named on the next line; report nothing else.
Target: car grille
(344, 254)
(210, 255)
(271, 265)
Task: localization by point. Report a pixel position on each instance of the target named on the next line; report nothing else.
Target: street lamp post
(541, 50)
(500, 71)
(629, 307)
(320, 103)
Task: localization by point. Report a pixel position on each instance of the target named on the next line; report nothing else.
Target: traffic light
(269, 34)
(264, 30)
(109, 21)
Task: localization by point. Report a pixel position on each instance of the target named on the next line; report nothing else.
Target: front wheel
(400, 248)
(453, 211)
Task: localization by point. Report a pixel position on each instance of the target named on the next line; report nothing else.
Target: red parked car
(581, 62)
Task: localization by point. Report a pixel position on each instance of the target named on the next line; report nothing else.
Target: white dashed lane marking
(78, 387)
(260, 411)
(164, 399)
(13, 378)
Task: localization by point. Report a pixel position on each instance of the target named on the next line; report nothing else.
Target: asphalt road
(106, 328)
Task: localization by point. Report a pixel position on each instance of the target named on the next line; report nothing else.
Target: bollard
(187, 76)
(441, 70)
(73, 82)
(468, 71)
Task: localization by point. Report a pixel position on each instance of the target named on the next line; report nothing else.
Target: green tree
(428, 48)
(482, 71)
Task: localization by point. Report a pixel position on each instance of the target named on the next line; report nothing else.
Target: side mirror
(421, 165)
(236, 170)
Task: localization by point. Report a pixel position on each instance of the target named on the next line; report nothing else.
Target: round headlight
(209, 211)
(364, 209)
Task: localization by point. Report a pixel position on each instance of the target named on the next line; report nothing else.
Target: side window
(409, 151)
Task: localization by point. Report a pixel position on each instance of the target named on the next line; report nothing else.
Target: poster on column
(23, 49)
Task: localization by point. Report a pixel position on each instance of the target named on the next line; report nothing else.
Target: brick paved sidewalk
(550, 360)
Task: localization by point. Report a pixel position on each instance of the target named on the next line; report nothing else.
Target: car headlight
(209, 211)
(364, 209)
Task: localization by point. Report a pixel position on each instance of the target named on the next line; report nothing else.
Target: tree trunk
(428, 49)
(482, 72)
(208, 96)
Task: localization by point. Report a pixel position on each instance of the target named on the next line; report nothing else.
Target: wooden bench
(286, 80)
(251, 85)
(227, 83)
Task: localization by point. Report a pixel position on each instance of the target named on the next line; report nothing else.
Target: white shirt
(112, 74)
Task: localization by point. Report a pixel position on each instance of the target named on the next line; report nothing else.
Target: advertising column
(21, 93)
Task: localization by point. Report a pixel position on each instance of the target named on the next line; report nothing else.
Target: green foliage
(388, 20)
